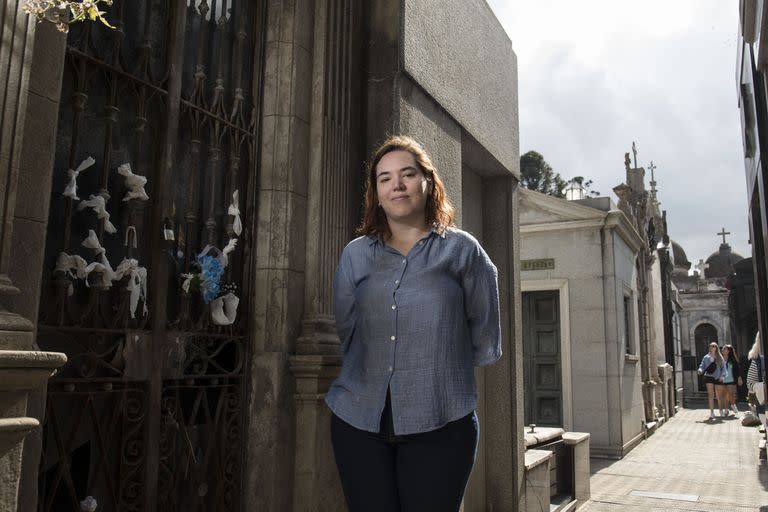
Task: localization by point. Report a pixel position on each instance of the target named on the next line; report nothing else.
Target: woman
(417, 307)
(736, 381)
(711, 368)
(756, 375)
(731, 378)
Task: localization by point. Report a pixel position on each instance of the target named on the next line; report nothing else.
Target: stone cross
(700, 267)
(723, 233)
(652, 167)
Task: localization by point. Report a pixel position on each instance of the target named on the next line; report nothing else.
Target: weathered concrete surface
(459, 53)
(725, 476)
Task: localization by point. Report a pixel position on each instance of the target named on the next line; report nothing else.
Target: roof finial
(634, 152)
(652, 167)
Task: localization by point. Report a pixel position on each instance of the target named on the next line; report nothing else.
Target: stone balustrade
(556, 469)
(21, 372)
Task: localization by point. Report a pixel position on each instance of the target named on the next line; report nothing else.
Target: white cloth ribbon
(134, 182)
(71, 188)
(187, 281)
(137, 282)
(99, 205)
(234, 210)
(73, 265)
(224, 256)
(224, 309)
(103, 266)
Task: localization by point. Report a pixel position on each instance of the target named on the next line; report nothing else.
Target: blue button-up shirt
(415, 324)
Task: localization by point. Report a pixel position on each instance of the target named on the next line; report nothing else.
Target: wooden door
(541, 353)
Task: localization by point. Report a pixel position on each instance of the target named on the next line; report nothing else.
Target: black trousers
(381, 472)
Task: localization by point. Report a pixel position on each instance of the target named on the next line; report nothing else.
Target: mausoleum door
(148, 414)
(541, 355)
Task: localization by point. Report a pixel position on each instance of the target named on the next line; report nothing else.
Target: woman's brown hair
(438, 211)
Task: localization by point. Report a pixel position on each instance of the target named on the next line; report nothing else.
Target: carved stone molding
(20, 373)
(318, 337)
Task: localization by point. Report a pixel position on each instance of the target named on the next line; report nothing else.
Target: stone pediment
(537, 208)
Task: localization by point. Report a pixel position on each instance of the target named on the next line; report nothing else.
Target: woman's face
(712, 349)
(401, 187)
(726, 351)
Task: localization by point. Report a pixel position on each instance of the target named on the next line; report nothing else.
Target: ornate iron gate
(148, 413)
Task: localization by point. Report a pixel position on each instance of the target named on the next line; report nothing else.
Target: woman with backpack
(712, 367)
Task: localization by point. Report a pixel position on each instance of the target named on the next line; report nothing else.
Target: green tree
(538, 175)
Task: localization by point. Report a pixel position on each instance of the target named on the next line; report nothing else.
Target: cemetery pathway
(688, 464)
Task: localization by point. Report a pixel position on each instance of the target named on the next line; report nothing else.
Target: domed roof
(720, 263)
(680, 259)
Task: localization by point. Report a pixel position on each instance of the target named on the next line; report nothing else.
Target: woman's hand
(741, 382)
(699, 371)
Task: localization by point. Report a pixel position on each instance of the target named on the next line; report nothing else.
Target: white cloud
(594, 75)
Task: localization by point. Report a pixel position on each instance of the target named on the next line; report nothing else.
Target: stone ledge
(535, 458)
(31, 359)
(13, 430)
(571, 438)
(542, 435)
(25, 370)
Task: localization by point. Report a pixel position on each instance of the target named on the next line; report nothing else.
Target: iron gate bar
(161, 211)
(187, 103)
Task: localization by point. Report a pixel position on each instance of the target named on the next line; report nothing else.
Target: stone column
(503, 381)
(279, 266)
(21, 371)
(334, 160)
(16, 46)
(30, 71)
(16, 49)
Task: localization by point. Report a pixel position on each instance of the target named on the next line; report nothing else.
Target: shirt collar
(372, 239)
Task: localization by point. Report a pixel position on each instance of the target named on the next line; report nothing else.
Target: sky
(596, 75)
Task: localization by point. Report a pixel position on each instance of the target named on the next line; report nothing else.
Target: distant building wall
(598, 265)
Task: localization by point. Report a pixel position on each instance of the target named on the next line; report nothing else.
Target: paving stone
(716, 462)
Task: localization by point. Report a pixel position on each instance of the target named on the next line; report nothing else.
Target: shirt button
(393, 338)
(390, 368)
(397, 281)
(404, 261)
(394, 307)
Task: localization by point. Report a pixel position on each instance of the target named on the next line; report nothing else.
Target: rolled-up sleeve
(344, 301)
(481, 302)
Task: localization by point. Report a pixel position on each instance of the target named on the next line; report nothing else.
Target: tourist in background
(731, 379)
(756, 377)
(417, 307)
(711, 367)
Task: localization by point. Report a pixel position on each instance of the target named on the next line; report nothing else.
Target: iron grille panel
(148, 413)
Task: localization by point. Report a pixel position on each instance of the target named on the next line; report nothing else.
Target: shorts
(708, 379)
(721, 383)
